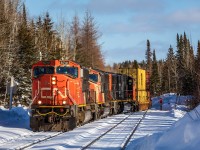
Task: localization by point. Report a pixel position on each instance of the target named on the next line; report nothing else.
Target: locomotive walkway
(114, 132)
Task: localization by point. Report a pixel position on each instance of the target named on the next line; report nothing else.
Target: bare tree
(63, 32)
(90, 54)
(76, 36)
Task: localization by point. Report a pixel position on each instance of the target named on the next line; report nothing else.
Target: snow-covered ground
(183, 135)
(170, 128)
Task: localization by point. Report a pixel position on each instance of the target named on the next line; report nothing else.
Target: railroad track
(88, 145)
(27, 141)
(40, 140)
(124, 144)
(129, 137)
(133, 121)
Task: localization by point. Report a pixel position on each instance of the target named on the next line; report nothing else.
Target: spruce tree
(148, 57)
(197, 76)
(25, 57)
(48, 37)
(180, 62)
(185, 65)
(171, 71)
(154, 78)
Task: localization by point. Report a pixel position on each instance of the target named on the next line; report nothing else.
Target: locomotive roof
(55, 63)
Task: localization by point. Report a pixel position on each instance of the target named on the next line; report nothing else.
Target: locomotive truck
(66, 94)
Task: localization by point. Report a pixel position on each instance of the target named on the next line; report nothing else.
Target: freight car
(66, 94)
(142, 88)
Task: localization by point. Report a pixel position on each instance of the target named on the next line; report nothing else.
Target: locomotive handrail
(43, 114)
(38, 92)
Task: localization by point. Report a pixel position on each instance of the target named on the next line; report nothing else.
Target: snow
(14, 123)
(182, 135)
(170, 128)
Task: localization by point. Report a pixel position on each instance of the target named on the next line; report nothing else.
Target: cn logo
(46, 93)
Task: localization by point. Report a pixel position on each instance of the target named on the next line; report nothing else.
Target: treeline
(179, 72)
(24, 41)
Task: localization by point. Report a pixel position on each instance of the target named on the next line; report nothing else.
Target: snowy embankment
(13, 123)
(183, 135)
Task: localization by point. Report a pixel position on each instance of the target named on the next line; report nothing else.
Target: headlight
(53, 80)
(39, 102)
(64, 102)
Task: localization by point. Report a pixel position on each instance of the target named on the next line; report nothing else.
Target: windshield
(93, 77)
(71, 71)
(43, 70)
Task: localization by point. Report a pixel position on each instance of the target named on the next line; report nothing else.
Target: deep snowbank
(14, 123)
(16, 117)
(183, 135)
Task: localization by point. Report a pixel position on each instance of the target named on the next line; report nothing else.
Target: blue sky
(125, 25)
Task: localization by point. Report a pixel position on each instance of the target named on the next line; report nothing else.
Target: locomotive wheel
(81, 117)
(84, 117)
(106, 111)
(34, 124)
(115, 108)
(70, 124)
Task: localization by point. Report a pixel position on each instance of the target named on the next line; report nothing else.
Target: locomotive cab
(58, 88)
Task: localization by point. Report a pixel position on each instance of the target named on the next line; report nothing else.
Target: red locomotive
(65, 94)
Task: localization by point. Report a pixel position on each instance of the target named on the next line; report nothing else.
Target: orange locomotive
(65, 94)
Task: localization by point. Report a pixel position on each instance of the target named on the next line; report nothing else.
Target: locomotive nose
(53, 91)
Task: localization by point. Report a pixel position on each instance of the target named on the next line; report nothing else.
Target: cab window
(37, 71)
(71, 71)
(93, 77)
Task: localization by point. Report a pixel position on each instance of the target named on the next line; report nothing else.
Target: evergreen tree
(180, 63)
(154, 78)
(135, 64)
(185, 64)
(170, 74)
(25, 58)
(197, 76)
(148, 57)
(48, 37)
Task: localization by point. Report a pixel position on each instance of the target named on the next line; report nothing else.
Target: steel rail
(129, 137)
(95, 140)
(39, 141)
